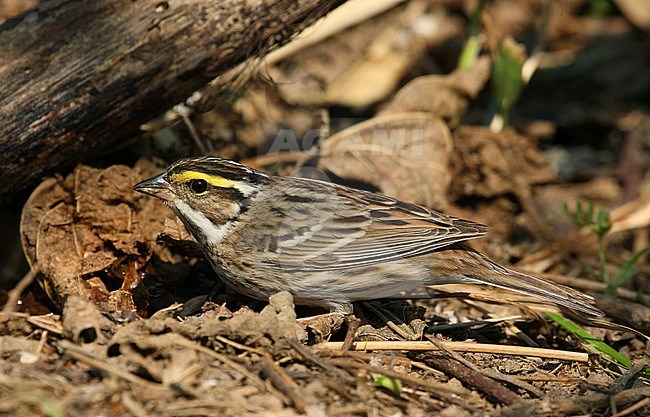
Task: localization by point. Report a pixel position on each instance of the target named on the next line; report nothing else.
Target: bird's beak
(156, 186)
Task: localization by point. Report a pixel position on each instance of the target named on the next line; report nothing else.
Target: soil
(118, 313)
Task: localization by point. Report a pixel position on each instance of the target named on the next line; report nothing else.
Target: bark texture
(78, 77)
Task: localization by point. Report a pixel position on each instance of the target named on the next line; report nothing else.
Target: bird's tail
(530, 285)
(471, 267)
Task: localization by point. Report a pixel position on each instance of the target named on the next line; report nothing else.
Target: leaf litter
(245, 361)
(137, 334)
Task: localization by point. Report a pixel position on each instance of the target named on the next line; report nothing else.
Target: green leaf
(589, 218)
(582, 219)
(49, 405)
(601, 8)
(475, 19)
(393, 385)
(628, 270)
(603, 224)
(472, 47)
(507, 83)
(592, 344)
(470, 52)
(567, 213)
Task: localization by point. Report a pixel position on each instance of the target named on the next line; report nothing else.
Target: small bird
(330, 245)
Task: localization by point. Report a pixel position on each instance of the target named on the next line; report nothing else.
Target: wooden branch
(80, 77)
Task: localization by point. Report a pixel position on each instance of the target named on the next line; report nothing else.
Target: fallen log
(77, 77)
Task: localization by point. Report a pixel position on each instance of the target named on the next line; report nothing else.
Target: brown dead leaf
(83, 322)
(266, 329)
(404, 155)
(447, 96)
(636, 11)
(365, 63)
(91, 234)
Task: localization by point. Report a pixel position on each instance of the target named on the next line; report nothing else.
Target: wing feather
(336, 229)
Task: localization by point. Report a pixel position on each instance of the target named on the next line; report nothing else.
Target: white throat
(215, 233)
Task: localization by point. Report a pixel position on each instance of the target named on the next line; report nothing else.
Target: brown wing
(338, 228)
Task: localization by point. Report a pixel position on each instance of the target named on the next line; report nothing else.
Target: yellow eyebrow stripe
(213, 180)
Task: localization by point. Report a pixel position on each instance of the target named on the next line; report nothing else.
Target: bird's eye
(199, 186)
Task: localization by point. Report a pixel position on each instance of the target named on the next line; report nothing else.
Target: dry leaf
(365, 63)
(636, 11)
(447, 96)
(91, 233)
(83, 322)
(404, 155)
(632, 215)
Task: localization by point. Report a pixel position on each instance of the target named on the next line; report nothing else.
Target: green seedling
(600, 8)
(393, 385)
(472, 47)
(507, 82)
(592, 343)
(600, 224)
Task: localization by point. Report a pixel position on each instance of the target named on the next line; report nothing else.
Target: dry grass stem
(463, 347)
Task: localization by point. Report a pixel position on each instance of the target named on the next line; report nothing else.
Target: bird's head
(206, 193)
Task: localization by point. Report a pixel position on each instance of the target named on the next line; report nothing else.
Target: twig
(51, 323)
(633, 408)
(193, 133)
(17, 292)
(88, 358)
(312, 357)
(394, 323)
(486, 372)
(341, 381)
(283, 382)
(353, 326)
(41, 342)
(620, 384)
(253, 378)
(240, 346)
(511, 328)
(463, 347)
(475, 379)
(466, 324)
(439, 390)
(427, 368)
(559, 379)
(284, 386)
